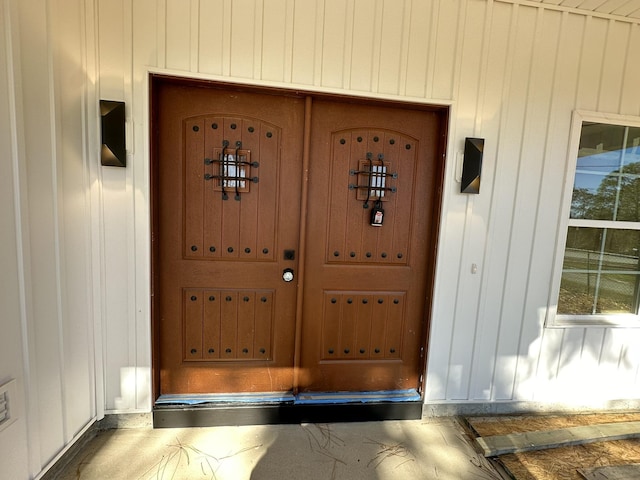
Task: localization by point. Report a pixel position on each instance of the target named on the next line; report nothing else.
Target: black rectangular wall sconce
(472, 165)
(113, 151)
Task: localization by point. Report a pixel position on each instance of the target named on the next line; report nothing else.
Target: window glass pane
(607, 179)
(576, 294)
(593, 197)
(600, 273)
(611, 197)
(632, 151)
(628, 204)
(600, 147)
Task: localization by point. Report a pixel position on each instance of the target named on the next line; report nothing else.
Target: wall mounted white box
(8, 411)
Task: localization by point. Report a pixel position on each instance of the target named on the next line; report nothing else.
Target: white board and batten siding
(46, 306)
(512, 73)
(78, 339)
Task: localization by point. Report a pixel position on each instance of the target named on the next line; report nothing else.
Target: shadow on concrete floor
(412, 449)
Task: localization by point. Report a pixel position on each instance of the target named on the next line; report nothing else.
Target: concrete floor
(418, 449)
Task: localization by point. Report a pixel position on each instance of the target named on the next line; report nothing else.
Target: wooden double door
(293, 240)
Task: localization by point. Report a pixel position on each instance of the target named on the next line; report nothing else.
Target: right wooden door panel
(366, 283)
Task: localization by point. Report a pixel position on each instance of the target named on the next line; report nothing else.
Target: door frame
(442, 108)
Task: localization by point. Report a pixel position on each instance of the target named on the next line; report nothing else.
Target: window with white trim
(599, 281)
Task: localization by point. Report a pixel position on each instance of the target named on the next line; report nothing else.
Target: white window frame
(553, 319)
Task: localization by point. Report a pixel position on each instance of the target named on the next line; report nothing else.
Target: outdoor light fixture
(472, 165)
(113, 151)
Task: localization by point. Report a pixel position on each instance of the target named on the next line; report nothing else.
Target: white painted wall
(75, 236)
(13, 439)
(46, 274)
(512, 73)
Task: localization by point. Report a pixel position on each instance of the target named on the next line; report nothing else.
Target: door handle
(287, 275)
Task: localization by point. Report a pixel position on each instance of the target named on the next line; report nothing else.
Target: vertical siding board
(144, 52)
(274, 46)
(479, 206)
(614, 373)
(527, 223)
(41, 175)
(404, 49)
(211, 38)
(517, 244)
(445, 295)
(584, 370)
(391, 43)
(362, 44)
(115, 202)
(420, 49)
(178, 35)
(448, 35)
(74, 222)
(557, 127)
(15, 447)
(111, 48)
(321, 12)
(332, 73)
(591, 60)
(116, 206)
(258, 40)
(146, 20)
(377, 45)
(243, 37)
(594, 360)
(466, 91)
(303, 55)
(227, 29)
(503, 192)
(348, 57)
(630, 94)
(467, 302)
(161, 34)
(480, 217)
(566, 384)
(547, 363)
(288, 54)
(447, 288)
(630, 361)
(129, 191)
(493, 263)
(194, 40)
(613, 63)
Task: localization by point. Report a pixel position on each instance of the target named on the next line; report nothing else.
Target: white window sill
(608, 321)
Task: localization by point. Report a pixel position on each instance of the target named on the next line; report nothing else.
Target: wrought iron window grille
(234, 169)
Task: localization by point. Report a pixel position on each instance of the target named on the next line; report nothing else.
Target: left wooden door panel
(226, 207)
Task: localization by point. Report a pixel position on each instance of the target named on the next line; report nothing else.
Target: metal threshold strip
(284, 407)
(287, 397)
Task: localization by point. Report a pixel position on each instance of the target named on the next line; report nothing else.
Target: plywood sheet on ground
(506, 424)
(495, 445)
(559, 463)
(621, 472)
